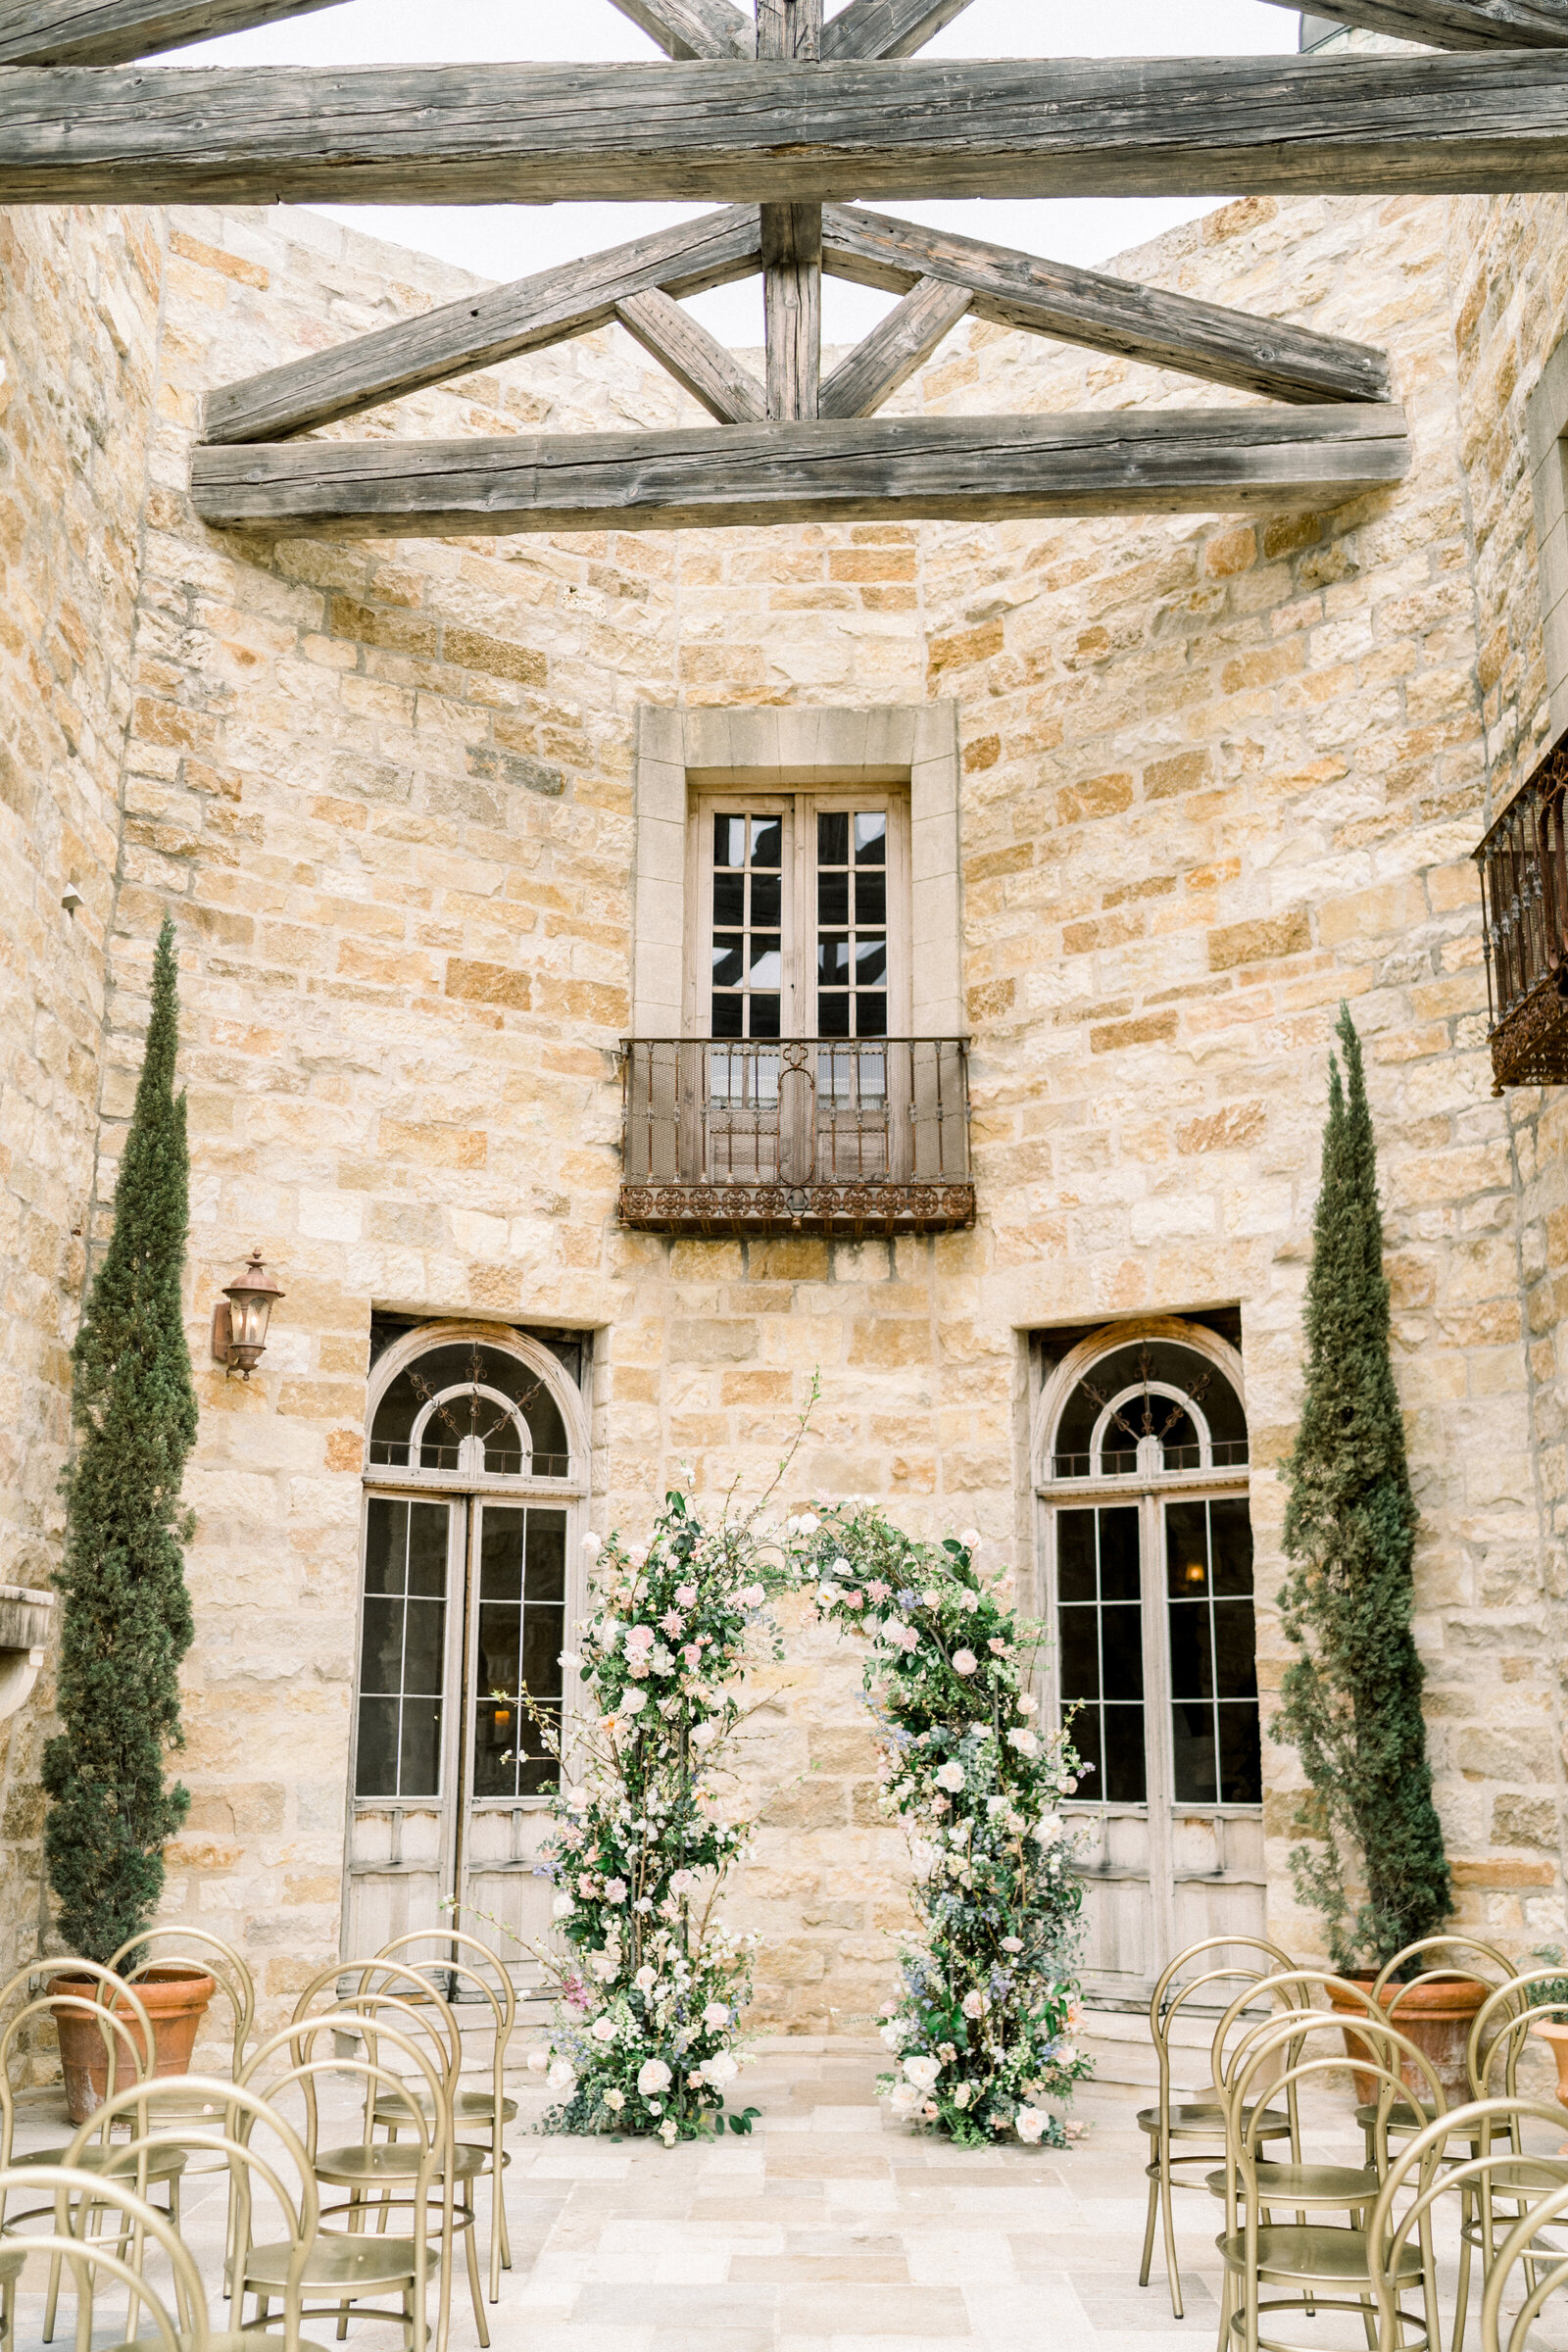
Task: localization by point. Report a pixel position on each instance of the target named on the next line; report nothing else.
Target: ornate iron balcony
(1524, 902)
(797, 1135)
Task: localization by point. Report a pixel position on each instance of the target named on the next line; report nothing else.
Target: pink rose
(685, 1597)
(692, 1655)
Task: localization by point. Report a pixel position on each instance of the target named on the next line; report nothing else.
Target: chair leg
(473, 2253)
(1168, 2217)
(1154, 2208)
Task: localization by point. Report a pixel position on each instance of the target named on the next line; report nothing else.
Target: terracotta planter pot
(1558, 2037)
(175, 1999)
(1437, 2016)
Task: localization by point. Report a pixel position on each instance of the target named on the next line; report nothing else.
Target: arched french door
(475, 1477)
(1143, 1479)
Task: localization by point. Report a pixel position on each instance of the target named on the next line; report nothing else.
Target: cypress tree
(1351, 1698)
(126, 1621)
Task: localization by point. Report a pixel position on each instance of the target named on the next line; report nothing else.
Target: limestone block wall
(79, 307)
(1217, 776)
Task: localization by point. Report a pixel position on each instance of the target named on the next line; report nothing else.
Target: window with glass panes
(522, 1633)
(804, 900)
(1100, 1626)
(403, 1638)
(1213, 1654)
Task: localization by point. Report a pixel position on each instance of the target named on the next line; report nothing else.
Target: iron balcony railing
(1524, 904)
(781, 1135)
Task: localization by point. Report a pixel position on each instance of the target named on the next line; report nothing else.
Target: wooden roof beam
(697, 359)
(110, 32)
(785, 133)
(483, 329)
(1454, 24)
(895, 348)
(1107, 314)
(887, 28)
(685, 28)
(959, 469)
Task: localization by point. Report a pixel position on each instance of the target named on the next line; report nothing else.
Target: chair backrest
(1292, 1992)
(197, 1947)
(1493, 2127)
(1436, 1943)
(76, 2193)
(1165, 2003)
(500, 1997)
(1522, 2244)
(432, 2131)
(1506, 2015)
(412, 1990)
(129, 2047)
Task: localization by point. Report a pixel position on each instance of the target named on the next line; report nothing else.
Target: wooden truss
(794, 119)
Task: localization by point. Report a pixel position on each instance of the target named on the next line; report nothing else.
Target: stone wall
(78, 309)
(1217, 776)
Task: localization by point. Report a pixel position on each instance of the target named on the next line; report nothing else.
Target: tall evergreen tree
(127, 1618)
(1351, 1699)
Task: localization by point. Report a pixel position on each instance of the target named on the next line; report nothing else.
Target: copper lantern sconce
(240, 1319)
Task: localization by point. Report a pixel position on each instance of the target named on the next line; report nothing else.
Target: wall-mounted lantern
(240, 1317)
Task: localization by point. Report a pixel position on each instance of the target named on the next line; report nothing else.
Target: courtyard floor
(828, 2229)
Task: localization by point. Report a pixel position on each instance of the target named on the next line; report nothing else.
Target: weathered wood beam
(784, 133)
(790, 29)
(1107, 314)
(895, 348)
(693, 27)
(697, 359)
(887, 28)
(483, 329)
(963, 469)
(110, 32)
(1454, 24)
(791, 32)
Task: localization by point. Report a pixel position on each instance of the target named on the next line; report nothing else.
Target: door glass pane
(746, 981)
(851, 923)
(1214, 1653)
(1099, 1632)
(522, 1630)
(402, 1648)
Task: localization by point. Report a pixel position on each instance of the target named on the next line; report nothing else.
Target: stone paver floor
(829, 2229)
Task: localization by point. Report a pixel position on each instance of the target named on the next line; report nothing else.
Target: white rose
(669, 2130)
(645, 1980)
(576, 1801)
(704, 1735)
(563, 1907)
(893, 2034)
(637, 1553)
(632, 1702)
(1064, 2054)
(753, 1597)
(602, 2028)
(974, 2004)
(964, 1661)
(538, 2060)
(616, 2101)
(652, 2075)
(1025, 1742)
(720, 2069)
(1028, 1704)
(971, 1539)
(931, 1599)
(922, 2072)
(963, 2093)
(841, 1567)
(808, 1523)
(1047, 1829)
(592, 1547)
(1030, 2123)
(827, 1597)
(950, 1774)
(615, 1891)
(563, 2075)
(714, 2016)
(905, 2099)
(1013, 1943)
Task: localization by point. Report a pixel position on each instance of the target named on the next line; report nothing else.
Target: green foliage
(127, 1618)
(982, 2030)
(1351, 1698)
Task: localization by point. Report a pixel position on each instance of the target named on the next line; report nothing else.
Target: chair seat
(218, 2339)
(1204, 2119)
(392, 2160)
(1303, 2185)
(163, 2163)
(1311, 2255)
(1406, 2115)
(480, 2104)
(366, 2263)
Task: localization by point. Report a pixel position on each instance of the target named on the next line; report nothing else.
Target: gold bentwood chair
(1392, 1991)
(222, 2125)
(197, 1947)
(351, 2267)
(487, 2110)
(86, 2258)
(1320, 2265)
(1290, 2181)
(1495, 2167)
(375, 2170)
(1546, 2272)
(1201, 2119)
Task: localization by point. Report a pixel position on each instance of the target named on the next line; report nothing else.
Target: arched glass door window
(474, 1410)
(1149, 1559)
